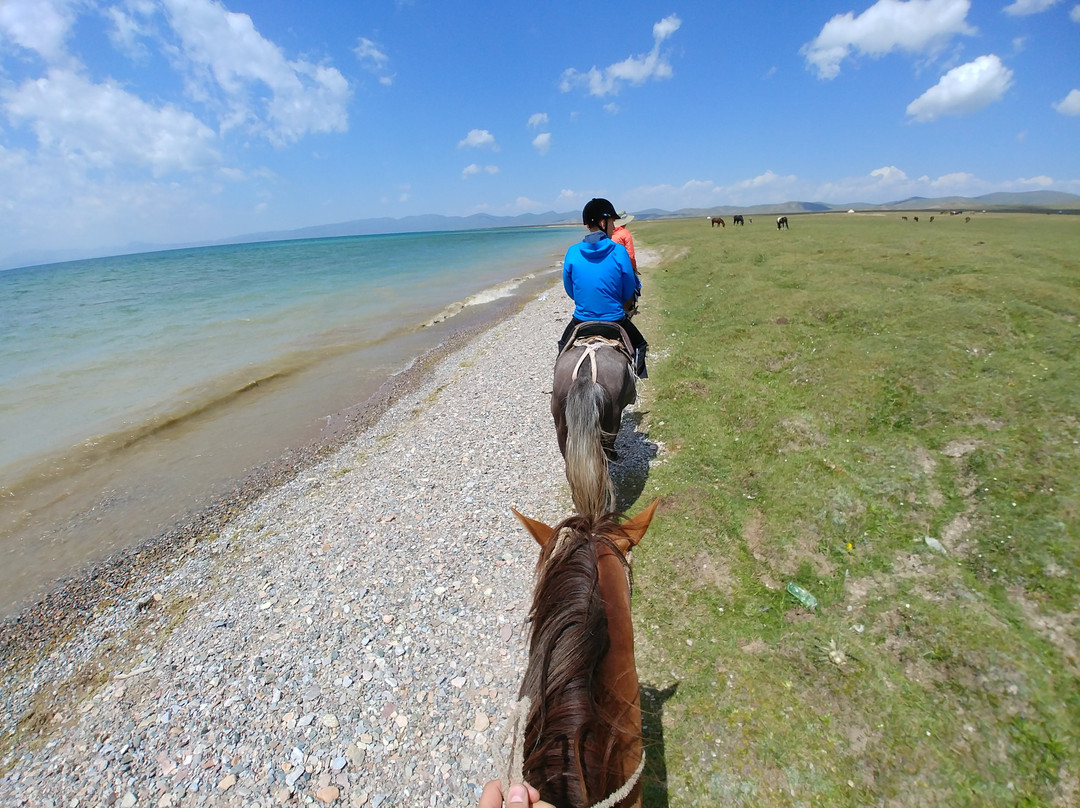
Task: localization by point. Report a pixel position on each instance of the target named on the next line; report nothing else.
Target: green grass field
(886, 413)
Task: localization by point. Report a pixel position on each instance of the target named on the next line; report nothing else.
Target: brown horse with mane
(582, 739)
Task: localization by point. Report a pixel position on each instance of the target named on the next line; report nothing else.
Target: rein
(511, 770)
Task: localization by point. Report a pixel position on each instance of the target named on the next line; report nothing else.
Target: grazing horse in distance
(579, 703)
(716, 220)
(781, 223)
(737, 219)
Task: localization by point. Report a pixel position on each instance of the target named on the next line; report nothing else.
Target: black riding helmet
(596, 210)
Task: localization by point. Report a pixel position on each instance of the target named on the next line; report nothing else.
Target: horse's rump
(593, 383)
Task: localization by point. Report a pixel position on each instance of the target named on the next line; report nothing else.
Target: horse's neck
(619, 670)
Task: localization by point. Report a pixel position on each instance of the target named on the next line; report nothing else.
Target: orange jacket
(622, 236)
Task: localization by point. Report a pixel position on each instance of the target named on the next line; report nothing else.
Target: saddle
(602, 331)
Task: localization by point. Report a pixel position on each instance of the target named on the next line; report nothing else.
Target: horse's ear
(537, 529)
(635, 528)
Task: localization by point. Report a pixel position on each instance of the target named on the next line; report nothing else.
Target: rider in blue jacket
(599, 278)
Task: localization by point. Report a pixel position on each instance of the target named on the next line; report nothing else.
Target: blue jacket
(598, 276)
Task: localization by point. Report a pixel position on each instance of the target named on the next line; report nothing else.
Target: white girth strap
(590, 354)
(512, 769)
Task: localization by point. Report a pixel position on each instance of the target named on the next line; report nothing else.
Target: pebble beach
(352, 633)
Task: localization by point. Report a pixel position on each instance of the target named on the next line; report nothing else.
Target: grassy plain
(888, 414)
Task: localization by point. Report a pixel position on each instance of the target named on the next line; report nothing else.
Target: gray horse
(594, 381)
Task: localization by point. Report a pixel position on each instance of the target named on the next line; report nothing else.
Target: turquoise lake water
(135, 388)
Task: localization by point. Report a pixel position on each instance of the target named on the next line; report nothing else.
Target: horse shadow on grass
(635, 451)
(630, 473)
(654, 788)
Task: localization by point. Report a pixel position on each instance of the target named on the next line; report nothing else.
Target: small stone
(283, 795)
(338, 763)
(226, 782)
(935, 545)
(329, 721)
(328, 794)
(481, 722)
(128, 801)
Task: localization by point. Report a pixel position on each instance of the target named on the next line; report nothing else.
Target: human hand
(519, 795)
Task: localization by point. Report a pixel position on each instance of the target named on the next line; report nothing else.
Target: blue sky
(168, 121)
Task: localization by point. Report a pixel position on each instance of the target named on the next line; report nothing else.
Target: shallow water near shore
(134, 391)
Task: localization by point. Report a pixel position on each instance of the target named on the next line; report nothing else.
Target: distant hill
(1048, 201)
(410, 224)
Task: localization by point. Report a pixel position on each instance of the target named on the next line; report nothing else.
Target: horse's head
(626, 535)
(582, 739)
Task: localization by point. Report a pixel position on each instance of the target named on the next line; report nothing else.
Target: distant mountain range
(1042, 201)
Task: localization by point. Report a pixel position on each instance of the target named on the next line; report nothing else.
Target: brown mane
(573, 743)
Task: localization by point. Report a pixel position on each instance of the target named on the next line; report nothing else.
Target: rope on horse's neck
(512, 770)
(627, 787)
(515, 730)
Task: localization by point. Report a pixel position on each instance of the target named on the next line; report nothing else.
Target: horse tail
(587, 471)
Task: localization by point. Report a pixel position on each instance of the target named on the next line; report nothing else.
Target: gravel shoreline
(349, 632)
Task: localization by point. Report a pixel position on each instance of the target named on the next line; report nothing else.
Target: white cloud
(128, 32)
(963, 90)
(374, 60)
(765, 187)
(915, 26)
(948, 183)
(538, 119)
(1074, 13)
(473, 168)
(39, 25)
(888, 175)
(542, 142)
(102, 125)
(303, 97)
(776, 183)
(1022, 8)
(570, 198)
(1041, 181)
(635, 70)
(478, 139)
(1070, 104)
